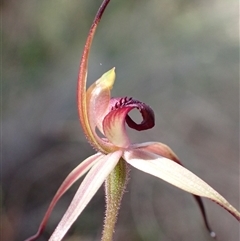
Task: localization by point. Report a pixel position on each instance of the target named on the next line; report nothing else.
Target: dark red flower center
(147, 113)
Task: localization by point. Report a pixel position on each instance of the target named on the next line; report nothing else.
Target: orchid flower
(115, 153)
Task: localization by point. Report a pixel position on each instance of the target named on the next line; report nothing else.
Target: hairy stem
(114, 189)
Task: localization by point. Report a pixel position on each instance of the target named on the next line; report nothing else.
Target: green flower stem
(114, 188)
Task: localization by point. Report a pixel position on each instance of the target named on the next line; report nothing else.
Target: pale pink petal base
(86, 191)
(176, 175)
(73, 176)
(114, 127)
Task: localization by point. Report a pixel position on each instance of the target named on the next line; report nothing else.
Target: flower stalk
(115, 185)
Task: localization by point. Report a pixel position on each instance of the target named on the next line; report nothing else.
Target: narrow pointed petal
(81, 86)
(98, 98)
(86, 191)
(176, 175)
(78, 172)
(165, 151)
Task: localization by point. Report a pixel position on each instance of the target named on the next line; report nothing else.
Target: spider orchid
(115, 152)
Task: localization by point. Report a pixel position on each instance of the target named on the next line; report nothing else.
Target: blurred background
(179, 56)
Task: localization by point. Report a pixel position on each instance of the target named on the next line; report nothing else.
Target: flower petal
(85, 192)
(114, 123)
(98, 98)
(94, 140)
(176, 175)
(73, 176)
(147, 113)
(114, 127)
(159, 149)
(165, 151)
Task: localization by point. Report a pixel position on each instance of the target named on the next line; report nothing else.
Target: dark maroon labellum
(147, 113)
